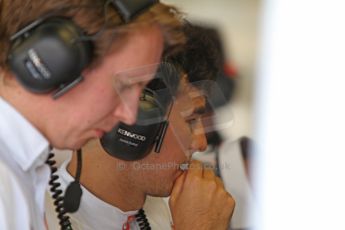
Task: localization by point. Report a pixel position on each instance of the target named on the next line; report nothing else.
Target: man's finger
(208, 174)
(195, 169)
(219, 182)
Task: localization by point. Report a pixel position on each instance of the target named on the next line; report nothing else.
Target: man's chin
(162, 193)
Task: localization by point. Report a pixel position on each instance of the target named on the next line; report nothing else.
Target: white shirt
(23, 172)
(94, 214)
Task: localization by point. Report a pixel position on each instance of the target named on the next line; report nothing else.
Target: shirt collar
(20, 139)
(107, 215)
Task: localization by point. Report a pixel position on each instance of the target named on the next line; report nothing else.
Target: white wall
(301, 116)
(237, 22)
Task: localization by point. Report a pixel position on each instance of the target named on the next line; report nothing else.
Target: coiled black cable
(59, 199)
(142, 220)
(57, 194)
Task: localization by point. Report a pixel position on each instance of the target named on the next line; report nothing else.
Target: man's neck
(113, 186)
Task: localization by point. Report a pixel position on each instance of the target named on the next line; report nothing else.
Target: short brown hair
(89, 15)
(200, 58)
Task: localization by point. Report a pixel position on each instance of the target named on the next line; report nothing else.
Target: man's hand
(199, 200)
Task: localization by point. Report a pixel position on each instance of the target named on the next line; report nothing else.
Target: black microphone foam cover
(72, 197)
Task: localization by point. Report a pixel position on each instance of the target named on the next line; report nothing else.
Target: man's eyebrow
(200, 105)
(200, 110)
(135, 78)
(197, 109)
(143, 77)
(131, 82)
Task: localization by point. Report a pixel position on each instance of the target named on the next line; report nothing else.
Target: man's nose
(199, 142)
(127, 111)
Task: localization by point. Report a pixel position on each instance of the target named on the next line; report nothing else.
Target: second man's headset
(134, 142)
(51, 52)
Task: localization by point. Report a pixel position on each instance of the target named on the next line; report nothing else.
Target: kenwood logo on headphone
(39, 65)
(131, 135)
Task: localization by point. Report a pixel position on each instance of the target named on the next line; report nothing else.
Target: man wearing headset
(116, 185)
(59, 61)
(49, 47)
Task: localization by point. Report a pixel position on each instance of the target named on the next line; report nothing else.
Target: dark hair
(200, 58)
(203, 59)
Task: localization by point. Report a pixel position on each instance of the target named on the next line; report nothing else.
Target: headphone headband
(131, 8)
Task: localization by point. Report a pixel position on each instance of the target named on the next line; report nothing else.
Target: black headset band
(40, 20)
(131, 8)
(127, 9)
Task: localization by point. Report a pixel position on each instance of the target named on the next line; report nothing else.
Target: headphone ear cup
(134, 142)
(130, 143)
(50, 55)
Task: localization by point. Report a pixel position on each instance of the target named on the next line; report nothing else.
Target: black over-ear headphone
(51, 52)
(136, 141)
